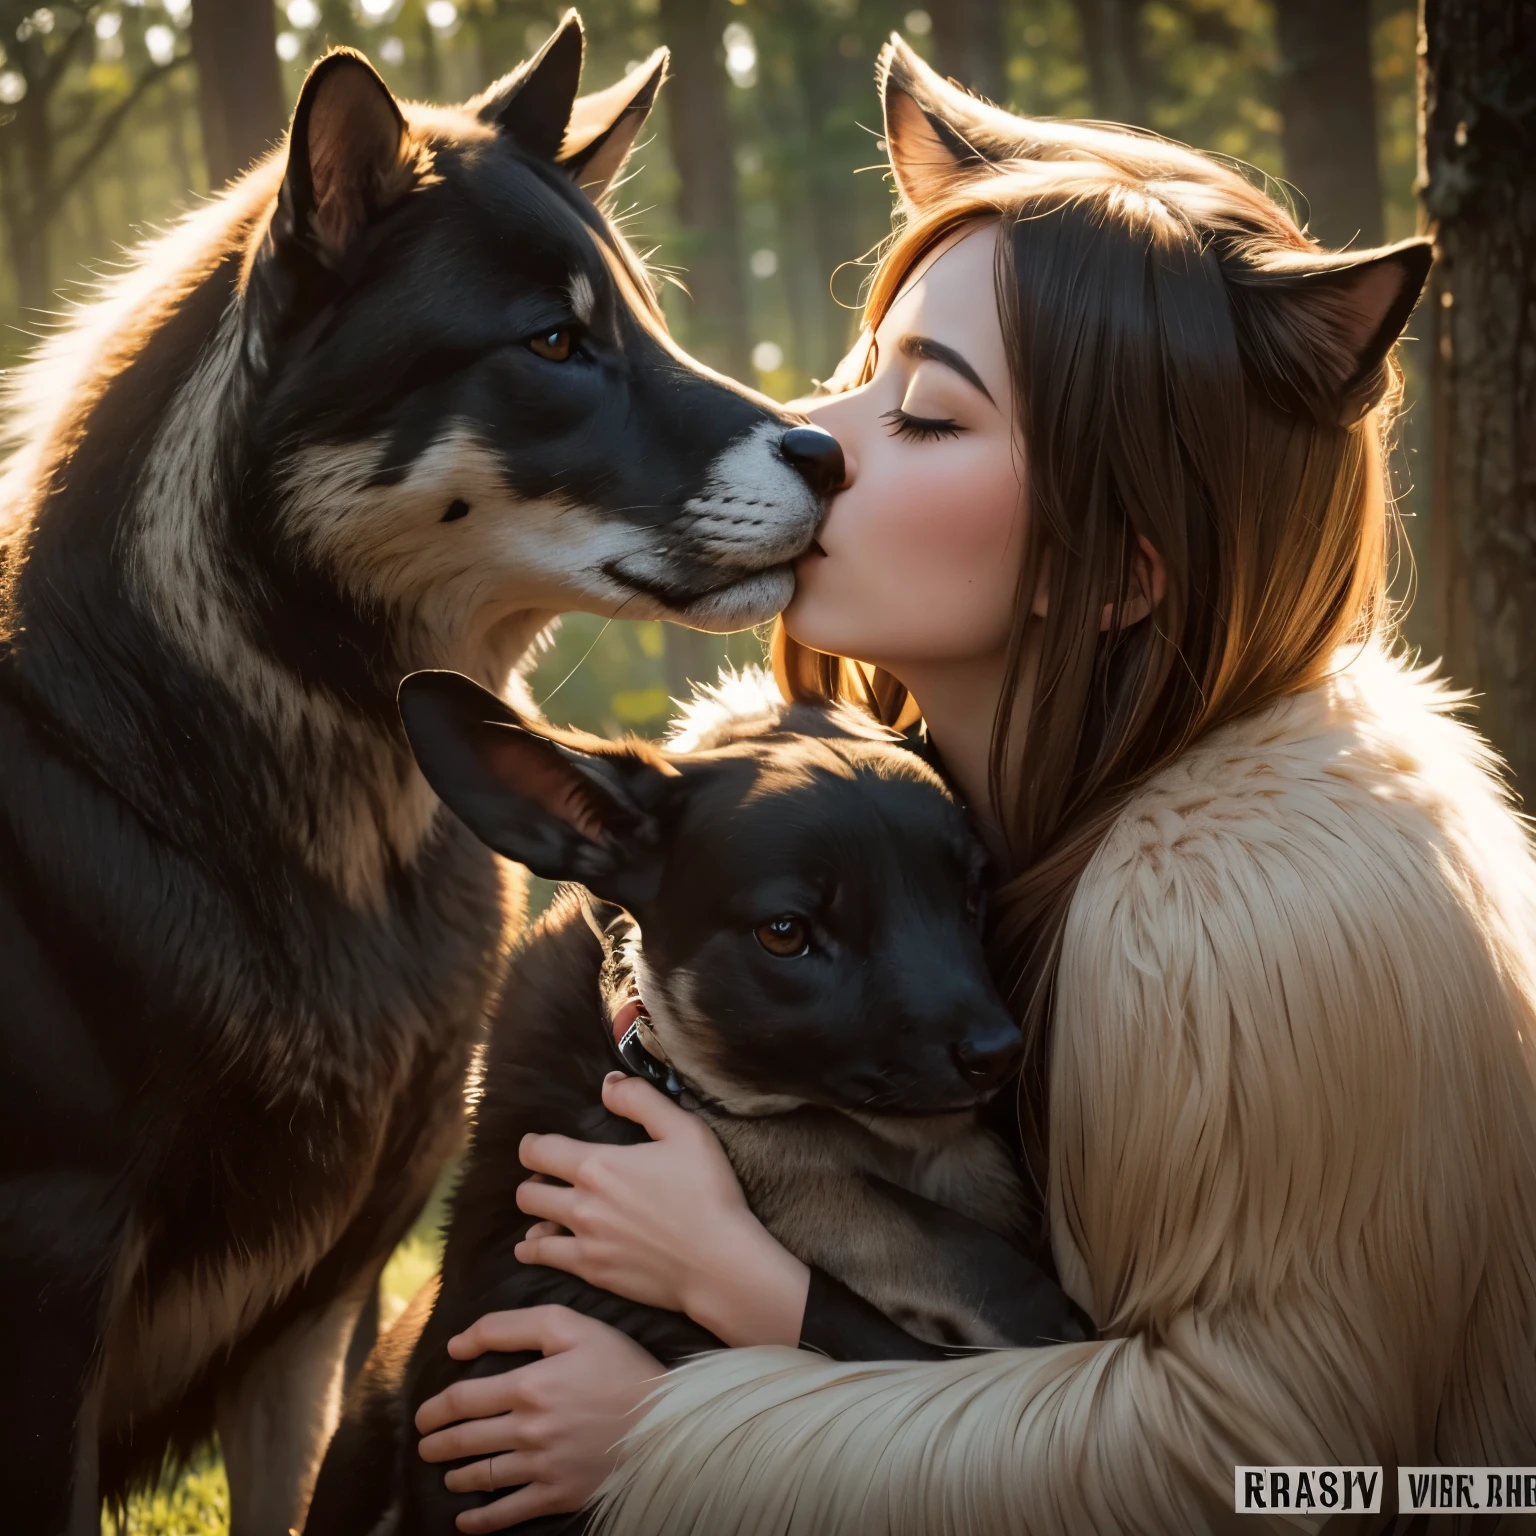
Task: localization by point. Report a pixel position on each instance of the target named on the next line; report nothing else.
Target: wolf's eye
(555, 345)
(785, 936)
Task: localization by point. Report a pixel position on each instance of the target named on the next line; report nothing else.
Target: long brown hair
(1187, 368)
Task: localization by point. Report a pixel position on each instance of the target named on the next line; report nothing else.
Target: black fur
(888, 1010)
(222, 1056)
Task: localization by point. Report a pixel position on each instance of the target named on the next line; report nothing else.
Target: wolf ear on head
(569, 807)
(1319, 325)
(349, 158)
(589, 137)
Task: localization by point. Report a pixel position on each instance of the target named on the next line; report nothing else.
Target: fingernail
(614, 1077)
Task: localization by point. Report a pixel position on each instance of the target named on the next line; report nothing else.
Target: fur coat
(1293, 1173)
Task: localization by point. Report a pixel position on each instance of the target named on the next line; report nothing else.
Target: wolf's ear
(532, 105)
(604, 126)
(1318, 325)
(570, 807)
(349, 158)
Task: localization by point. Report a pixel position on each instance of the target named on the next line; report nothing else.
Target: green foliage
(196, 1504)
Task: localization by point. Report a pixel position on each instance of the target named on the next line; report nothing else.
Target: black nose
(817, 455)
(988, 1057)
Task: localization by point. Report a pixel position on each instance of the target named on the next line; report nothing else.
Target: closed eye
(921, 428)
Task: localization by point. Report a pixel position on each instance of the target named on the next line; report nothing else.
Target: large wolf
(392, 401)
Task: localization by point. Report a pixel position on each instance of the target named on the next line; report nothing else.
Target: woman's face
(919, 555)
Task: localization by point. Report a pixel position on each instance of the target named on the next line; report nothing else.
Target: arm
(1252, 1034)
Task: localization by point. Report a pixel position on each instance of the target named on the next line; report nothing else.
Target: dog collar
(624, 1023)
(624, 1031)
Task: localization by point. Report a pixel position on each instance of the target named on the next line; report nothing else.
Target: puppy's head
(471, 408)
(809, 903)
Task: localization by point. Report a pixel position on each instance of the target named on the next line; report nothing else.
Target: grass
(197, 1502)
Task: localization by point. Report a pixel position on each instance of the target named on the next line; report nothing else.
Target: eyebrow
(926, 349)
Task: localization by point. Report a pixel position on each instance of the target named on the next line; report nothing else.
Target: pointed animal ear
(532, 105)
(927, 151)
(1319, 325)
(935, 133)
(570, 807)
(604, 126)
(350, 157)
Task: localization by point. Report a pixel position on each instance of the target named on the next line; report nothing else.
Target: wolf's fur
(300, 447)
(1297, 1004)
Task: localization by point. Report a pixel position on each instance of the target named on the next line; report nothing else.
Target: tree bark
(699, 132)
(1477, 62)
(1112, 46)
(1328, 111)
(968, 45)
(240, 85)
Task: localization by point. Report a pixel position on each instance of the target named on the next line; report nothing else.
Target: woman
(1115, 522)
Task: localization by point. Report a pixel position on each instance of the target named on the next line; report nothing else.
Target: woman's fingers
(554, 1250)
(476, 1398)
(510, 1469)
(526, 1504)
(635, 1099)
(547, 1329)
(561, 1156)
(475, 1437)
(555, 1202)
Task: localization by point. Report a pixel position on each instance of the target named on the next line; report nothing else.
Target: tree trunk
(699, 130)
(1328, 112)
(1477, 60)
(1116, 62)
(240, 86)
(968, 45)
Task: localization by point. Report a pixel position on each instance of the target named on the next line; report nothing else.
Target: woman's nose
(817, 455)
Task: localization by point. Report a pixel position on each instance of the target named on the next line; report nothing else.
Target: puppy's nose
(988, 1057)
(817, 455)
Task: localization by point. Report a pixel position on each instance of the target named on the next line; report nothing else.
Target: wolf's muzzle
(817, 455)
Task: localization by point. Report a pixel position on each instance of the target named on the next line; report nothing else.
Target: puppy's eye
(785, 936)
(555, 345)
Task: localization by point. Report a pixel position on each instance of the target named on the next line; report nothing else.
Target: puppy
(782, 930)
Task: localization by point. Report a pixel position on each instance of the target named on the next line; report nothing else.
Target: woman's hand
(552, 1426)
(663, 1223)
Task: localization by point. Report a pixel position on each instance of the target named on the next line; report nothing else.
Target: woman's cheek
(952, 528)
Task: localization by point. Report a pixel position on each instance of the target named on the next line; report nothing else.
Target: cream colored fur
(1293, 1172)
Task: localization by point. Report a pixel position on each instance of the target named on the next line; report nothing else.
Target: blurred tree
(699, 135)
(1477, 84)
(239, 85)
(968, 45)
(1328, 109)
(1115, 50)
(54, 126)
(709, 218)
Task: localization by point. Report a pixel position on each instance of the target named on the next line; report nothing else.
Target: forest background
(760, 189)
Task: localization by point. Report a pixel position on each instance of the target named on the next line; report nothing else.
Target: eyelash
(927, 429)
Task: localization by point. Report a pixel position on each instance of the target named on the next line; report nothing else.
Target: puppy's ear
(350, 158)
(604, 126)
(532, 105)
(1318, 325)
(570, 807)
